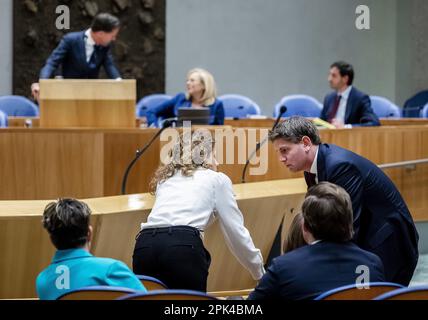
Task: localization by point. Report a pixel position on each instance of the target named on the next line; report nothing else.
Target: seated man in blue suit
(81, 54)
(382, 222)
(347, 106)
(73, 267)
(330, 259)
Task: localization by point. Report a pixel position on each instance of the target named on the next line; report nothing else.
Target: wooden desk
(25, 248)
(268, 122)
(242, 123)
(404, 122)
(90, 163)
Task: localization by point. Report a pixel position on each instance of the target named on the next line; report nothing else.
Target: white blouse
(197, 201)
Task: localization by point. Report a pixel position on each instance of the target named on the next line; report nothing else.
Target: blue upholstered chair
(3, 119)
(148, 102)
(97, 293)
(413, 106)
(16, 106)
(239, 106)
(299, 105)
(384, 108)
(411, 293)
(424, 112)
(352, 292)
(171, 294)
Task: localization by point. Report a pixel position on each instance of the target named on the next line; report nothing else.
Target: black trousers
(175, 255)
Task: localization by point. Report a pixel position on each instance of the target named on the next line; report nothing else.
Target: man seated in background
(330, 259)
(346, 106)
(73, 267)
(81, 54)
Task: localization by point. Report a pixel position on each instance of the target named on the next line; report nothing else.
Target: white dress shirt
(341, 111)
(89, 45)
(197, 201)
(314, 167)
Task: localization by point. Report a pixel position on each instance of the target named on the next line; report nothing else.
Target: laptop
(199, 116)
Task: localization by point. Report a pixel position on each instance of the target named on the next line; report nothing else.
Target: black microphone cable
(260, 144)
(139, 153)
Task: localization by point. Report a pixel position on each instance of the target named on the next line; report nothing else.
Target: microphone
(139, 153)
(282, 110)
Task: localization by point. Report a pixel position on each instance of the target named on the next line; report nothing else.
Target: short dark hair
(67, 221)
(105, 22)
(345, 69)
(327, 213)
(294, 129)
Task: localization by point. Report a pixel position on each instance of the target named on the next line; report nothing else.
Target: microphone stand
(260, 144)
(140, 152)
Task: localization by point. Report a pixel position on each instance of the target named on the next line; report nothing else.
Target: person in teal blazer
(201, 93)
(73, 267)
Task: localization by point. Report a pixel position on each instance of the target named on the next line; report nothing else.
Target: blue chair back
(353, 292)
(299, 105)
(16, 106)
(424, 112)
(97, 293)
(384, 108)
(238, 106)
(413, 106)
(151, 283)
(411, 293)
(149, 102)
(3, 120)
(170, 294)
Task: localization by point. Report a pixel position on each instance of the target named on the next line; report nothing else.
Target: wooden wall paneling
(119, 150)
(414, 180)
(43, 164)
(25, 250)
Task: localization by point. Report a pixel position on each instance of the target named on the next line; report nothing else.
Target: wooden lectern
(87, 103)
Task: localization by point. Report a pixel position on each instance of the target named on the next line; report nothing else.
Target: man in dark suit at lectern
(81, 54)
(382, 222)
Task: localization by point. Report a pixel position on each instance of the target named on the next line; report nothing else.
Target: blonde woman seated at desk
(201, 93)
(190, 195)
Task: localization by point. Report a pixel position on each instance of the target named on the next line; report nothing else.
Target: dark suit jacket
(169, 109)
(382, 222)
(309, 271)
(71, 54)
(358, 109)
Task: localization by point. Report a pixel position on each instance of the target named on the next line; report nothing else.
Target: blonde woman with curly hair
(201, 92)
(190, 195)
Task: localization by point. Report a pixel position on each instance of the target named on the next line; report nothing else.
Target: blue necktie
(94, 56)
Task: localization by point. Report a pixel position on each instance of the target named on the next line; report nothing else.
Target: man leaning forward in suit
(81, 54)
(347, 106)
(382, 222)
